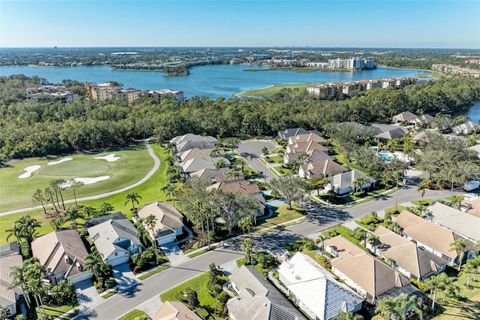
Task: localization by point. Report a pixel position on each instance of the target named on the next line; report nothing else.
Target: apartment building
(51, 91)
(456, 70)
(352, 63)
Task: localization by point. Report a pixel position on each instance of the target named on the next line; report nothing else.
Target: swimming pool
(386, 156)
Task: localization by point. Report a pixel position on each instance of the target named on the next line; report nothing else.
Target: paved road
(259, 166)
(318, 218)
(120, 304)
(156, 165)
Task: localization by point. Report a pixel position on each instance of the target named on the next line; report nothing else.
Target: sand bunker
(51, 163)
(86, 181)
(28, 171)
(109, 157)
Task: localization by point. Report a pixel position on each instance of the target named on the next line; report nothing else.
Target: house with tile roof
(9, 297)
(315, 290)
(175, 310)
(63, 254)
(430, 236)
(169, 223)
(370, 277)
(287, 133)
(307, 137)
(193, 141)
(405, 117)
(405, 256)
(258, 299)
(116, 240)
(320, 167)
(304, 147)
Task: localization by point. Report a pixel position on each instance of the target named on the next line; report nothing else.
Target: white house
(315, 291)
(343, 183)
(169, 222)
(116, 240)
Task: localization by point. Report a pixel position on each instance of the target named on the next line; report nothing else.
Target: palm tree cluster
(96, 266)
(400, 307)
(203, 208)
(441, 284)
(30, 276)
(53, 194)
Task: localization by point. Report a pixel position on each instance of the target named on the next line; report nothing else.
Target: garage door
(115, 261)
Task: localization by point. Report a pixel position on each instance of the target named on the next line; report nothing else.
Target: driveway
(125, 277)
(174, 254)
(87, 294)
(255, 146)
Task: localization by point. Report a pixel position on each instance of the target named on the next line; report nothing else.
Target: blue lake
(212, 81)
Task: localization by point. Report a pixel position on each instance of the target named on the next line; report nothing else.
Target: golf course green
(113, 170)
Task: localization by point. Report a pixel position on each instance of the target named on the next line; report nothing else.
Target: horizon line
(249, 47)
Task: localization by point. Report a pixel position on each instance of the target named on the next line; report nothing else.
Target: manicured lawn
(343, 231)
(198, 284)
(17, 193)
(197, 253)
(109, 294)
(283, 214)
(133, 314)
(55, 311)
(153, 272)
(274, 159)
(149, 191)
(271, 90)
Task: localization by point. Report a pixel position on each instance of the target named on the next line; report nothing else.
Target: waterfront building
(456, 70)
(157, 95)
(51, 91)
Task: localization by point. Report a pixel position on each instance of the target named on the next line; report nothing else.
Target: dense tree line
(40, 128)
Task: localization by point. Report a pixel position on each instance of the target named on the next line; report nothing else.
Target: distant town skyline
(233, 23)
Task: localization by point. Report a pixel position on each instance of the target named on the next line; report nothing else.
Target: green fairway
(269, 91)
(150, 191)
(15, 193)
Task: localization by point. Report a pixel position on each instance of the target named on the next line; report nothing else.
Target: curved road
(156, 165)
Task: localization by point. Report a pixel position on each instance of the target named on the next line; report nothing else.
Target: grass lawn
(467, 306)
(271, 90)
(109, 294)
(153, 272)
(343, 231)
(149, 191)
(198, 284)
(17, 193)
(281, 171)
(133, 314)
(55, 311)
(240, 262)
(281, 215)
(274, 159)
(196, 254)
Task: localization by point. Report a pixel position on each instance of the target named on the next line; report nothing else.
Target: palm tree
(56, 185)
(73, 214)
(39, 197)
(440, 283)
(150, 222)
(48, 191)
(468, 269)
(459, 245)
(423, 186)
(373, 240)
(318, 183)
(34, 274)
(385, 308)
(74, 184)
(143, 234)
(321, 243)
(134, 198)
(95, 265)
(19, 281)
(169, 190)
(405, 304)
(359, 182)
(247, 246)
(27, 227)
(15, 231)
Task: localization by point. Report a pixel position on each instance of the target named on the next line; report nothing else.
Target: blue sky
(357, 23)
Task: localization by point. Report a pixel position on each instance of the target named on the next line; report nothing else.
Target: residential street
(319, 218)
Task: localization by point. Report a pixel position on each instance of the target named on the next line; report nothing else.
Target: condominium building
(51, 91)
(456, 70)
(352, 63)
